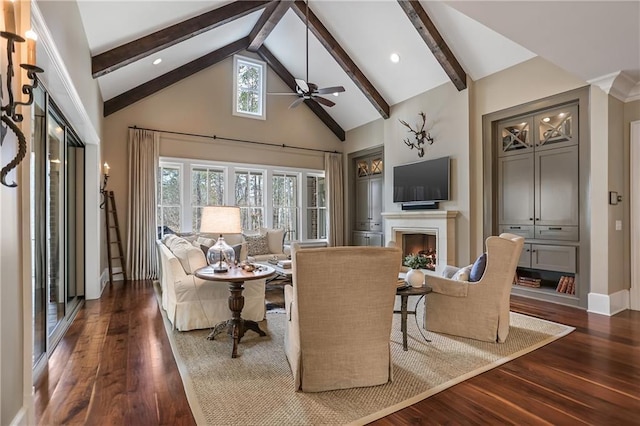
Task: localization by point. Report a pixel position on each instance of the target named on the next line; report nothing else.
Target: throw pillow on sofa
(275, 239)
(190, 258)
(463, 273)
(257, 244)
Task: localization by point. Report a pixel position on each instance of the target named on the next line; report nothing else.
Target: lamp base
(219, 269)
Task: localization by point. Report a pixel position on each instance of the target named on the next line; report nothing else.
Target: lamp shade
(220, 220)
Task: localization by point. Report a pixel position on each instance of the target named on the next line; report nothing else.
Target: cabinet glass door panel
(515, 136)
(377, 166)
(556, 127)
(362, 168)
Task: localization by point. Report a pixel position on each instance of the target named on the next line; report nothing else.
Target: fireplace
(433, 232)
(421, 244)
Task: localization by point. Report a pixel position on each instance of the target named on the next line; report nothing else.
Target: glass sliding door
(57, 223)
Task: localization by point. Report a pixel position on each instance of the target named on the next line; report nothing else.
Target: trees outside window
(286, 207)
(268, 196)
(316, 207)
(249, 87)
(207, 189)
(249, 189)
(169, 198)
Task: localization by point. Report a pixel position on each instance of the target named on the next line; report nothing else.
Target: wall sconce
(103, 187)
(614, 198)
(9, 115)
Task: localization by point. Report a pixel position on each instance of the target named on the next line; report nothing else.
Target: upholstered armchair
(479, 310)
(339, 312)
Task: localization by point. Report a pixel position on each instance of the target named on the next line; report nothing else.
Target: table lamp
(220, 220)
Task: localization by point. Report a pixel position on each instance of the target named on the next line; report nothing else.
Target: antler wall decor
(419, 135)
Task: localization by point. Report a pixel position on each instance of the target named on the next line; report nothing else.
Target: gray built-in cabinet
(533, 155)
(369, 183)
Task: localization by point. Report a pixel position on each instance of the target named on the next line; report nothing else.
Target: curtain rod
(215, 137)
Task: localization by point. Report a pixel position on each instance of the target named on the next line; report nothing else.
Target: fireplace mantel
(441, 223)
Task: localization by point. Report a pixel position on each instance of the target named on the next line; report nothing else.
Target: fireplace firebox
(421, 244)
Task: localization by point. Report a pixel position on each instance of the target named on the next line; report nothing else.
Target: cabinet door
(557, 187)
(362, 204)
(515, 191)
(525, 257)
(375, 203)
(358, 239)
(553, 258)
(375, 239)
(556, 128)
(515, 136)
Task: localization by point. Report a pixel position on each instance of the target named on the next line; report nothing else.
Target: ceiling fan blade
(323, 101)
(327, 90)
(312, 87)
(283, 94)
(296, 103)
(302, 85)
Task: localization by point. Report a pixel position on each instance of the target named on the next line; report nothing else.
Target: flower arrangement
(417, 261)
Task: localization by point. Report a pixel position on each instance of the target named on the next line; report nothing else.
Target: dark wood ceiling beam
(289, 80)
(134, 95)
(342, 58)
(272, 14)
(125, 54)
(429, 33)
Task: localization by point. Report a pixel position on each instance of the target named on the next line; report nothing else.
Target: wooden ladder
(110, 210)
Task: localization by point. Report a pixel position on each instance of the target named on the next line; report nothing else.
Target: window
(249, 87)
(207, 189)
(268, 196)
(316, 208)
(284, 188)
(169, 198)
(249, 189)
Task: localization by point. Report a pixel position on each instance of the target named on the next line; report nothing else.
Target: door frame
(634, 214)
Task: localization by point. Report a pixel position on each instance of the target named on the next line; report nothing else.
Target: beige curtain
(335, 198)
(144, 147)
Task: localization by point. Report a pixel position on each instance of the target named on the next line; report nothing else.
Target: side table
(404, 293)
(236, 326)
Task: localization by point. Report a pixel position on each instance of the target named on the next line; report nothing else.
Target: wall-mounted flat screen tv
(424, 181)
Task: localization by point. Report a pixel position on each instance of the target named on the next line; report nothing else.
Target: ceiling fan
(306, 90)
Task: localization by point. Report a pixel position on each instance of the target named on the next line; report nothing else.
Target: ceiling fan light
(395, 58)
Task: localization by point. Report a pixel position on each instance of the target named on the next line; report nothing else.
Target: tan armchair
(479, 310)
(340, 311)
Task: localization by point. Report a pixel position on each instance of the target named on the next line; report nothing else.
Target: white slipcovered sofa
(257, 246)
(192, 303)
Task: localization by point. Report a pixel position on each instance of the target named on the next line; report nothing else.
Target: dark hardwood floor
(115, 367)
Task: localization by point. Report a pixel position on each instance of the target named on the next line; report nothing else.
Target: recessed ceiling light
(395, 58)
(546, 119)
(335, 93)
(157, 61)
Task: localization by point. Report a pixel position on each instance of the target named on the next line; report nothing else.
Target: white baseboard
(608, 304)
(104, 277)
(21, 417)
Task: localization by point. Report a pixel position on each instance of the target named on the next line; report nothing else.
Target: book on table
(284, 264)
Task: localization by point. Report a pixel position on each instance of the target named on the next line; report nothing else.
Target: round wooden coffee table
(236, 326)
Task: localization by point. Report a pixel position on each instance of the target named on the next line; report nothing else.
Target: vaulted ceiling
(350, 43)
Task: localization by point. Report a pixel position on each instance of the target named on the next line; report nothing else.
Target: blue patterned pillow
(477, 270)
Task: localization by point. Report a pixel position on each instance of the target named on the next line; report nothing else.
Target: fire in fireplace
(422, 244)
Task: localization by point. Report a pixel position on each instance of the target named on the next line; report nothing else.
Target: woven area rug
(257, 387)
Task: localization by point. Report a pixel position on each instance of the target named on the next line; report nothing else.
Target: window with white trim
(284, 189)
(269, 196)
(169, 198)
(207, 189)
(316, 208)
(249, 87)
(249, 187)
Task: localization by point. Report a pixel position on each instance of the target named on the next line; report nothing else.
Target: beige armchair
(339, 311)
(479, 310)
